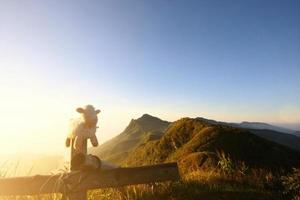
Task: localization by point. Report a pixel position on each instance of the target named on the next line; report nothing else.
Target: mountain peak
(146, 123)
(146, 118)
(149, 122)
(147, 115)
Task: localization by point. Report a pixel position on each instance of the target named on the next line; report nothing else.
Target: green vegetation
(188, 139)
(139, 131)
(216, 161)
(291, 182)
(204, 184)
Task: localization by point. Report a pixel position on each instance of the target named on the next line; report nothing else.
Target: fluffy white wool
(84, 128)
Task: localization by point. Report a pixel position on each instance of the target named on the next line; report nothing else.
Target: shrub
(243, 169)
(225, 163)
(291, 183)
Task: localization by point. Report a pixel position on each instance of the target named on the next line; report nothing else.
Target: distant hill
(30, 164)
(280, 135)
(261, 126)
(139, 131)
(289, 140)
(191, 141)
(297, 133)
(253, 125)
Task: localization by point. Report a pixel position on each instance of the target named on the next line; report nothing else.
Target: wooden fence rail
(76, 182)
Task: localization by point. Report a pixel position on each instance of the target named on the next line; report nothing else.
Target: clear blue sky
(228, 60)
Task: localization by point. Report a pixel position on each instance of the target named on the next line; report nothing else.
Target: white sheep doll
(83, 129)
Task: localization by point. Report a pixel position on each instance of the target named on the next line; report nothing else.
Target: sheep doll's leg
(78, 144)
(94, 140)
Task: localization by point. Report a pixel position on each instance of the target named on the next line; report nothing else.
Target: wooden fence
(76, 183)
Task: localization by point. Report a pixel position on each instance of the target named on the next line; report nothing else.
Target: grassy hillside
(148, 128)
(198, 141)
(139, 131)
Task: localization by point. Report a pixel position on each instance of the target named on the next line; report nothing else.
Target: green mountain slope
(191, 141)
(139, 131)
(273, 133)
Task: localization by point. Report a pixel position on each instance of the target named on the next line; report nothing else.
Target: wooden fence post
(80, 195)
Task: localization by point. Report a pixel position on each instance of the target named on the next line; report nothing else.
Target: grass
(230, 180)
(291, 183)
(198, 184)
(195, 185)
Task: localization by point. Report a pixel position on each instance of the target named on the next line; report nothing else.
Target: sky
(226, 60)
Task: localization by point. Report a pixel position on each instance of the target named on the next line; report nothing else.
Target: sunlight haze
(164, 58)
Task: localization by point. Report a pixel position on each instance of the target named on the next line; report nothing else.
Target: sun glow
(55, 57)
(35, 117)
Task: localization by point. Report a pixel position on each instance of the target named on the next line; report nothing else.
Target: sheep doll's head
(89, 115)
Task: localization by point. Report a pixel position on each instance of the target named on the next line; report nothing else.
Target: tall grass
(291, 183)
(199, 184)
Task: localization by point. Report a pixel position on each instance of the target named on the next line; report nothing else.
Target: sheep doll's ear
(80, 110)
(98, 111)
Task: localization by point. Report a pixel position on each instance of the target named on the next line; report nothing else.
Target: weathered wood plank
(82, 181)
